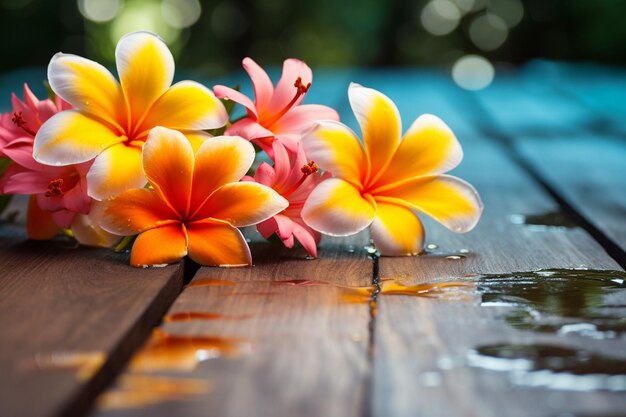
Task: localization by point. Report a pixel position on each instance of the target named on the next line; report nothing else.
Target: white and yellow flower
(111, 120)
(385, 179)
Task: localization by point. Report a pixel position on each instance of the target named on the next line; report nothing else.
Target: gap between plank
(125, 350)
(507, 145)
(371, 330)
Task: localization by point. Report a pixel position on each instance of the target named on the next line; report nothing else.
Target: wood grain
(58, 301)
(421, 345)
(302, 350)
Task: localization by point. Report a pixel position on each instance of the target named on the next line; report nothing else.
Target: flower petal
(40, 224)
(263, 88)
(114, 171)
(88, 86)
(186, 105)
(301, 118)
(397, 231)
(380, 125)
(336, 208)
(135, 211)
(217, 243)
(285, 89)
(146, 68)
(161, 245)
(228, 93)
(447, 199)
(335, 148)
(20, 151)
(220, 160)
(168, 162)
(242, 204)
(428, 147)
(196, 138)
(72, 137)
(307, 237)
(87, 230)
(248, 129)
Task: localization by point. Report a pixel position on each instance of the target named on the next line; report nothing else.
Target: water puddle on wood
(552, 366)
(560, 301)
(168, 352)
(135, 391)
(564, 302)
(84, 363)
(543, 222)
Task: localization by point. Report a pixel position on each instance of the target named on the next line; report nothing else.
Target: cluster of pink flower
(107, 159)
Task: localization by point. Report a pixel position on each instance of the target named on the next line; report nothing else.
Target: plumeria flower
(59, 197)
(195, 204)
(111, 121)
(276, 113)
(293, 177)
(385, 179)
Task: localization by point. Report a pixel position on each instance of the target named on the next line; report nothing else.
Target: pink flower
(58, 193)
(19, 126)
(276, 113)
(294, 178)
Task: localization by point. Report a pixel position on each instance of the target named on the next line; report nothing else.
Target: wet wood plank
(586, 167)
(423, 346)
(69, 319)
(589, 172)
(283, 349)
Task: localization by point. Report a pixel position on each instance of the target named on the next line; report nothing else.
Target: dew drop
(454, 257)
(432, 246)
(463, 250)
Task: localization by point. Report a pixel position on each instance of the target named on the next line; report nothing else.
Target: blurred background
(211, 37)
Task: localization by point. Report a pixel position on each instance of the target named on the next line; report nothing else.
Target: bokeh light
(142, 16)
(488, 31)
(440, 17)
(472, 72)
(99, 10)
(181, 14)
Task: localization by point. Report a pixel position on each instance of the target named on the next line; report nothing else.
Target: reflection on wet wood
(295, 341)
(424, 347)
(69, 319)
(136, 391)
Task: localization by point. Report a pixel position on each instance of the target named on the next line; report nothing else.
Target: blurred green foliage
(213, 36)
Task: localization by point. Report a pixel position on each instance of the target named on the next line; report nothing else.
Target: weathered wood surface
(69, 319)
(422, 345)
(578, 151)
(302, 350)
(279, 349)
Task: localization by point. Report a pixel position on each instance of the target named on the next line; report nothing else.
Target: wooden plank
(589, 172)
(69, 319)
(283, 349)
(586, 168)
(423, 346)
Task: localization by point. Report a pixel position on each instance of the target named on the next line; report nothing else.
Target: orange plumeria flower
(196, 203)
(384, 180)
(111, 120)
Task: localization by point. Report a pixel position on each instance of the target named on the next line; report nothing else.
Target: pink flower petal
(224, 92)
(263, 88)
(285, 90)
(248, 129)
(301, 118)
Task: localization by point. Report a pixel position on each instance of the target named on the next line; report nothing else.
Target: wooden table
(82, 333)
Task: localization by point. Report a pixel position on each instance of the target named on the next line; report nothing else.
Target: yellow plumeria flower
(111, 121)
(385, 179)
